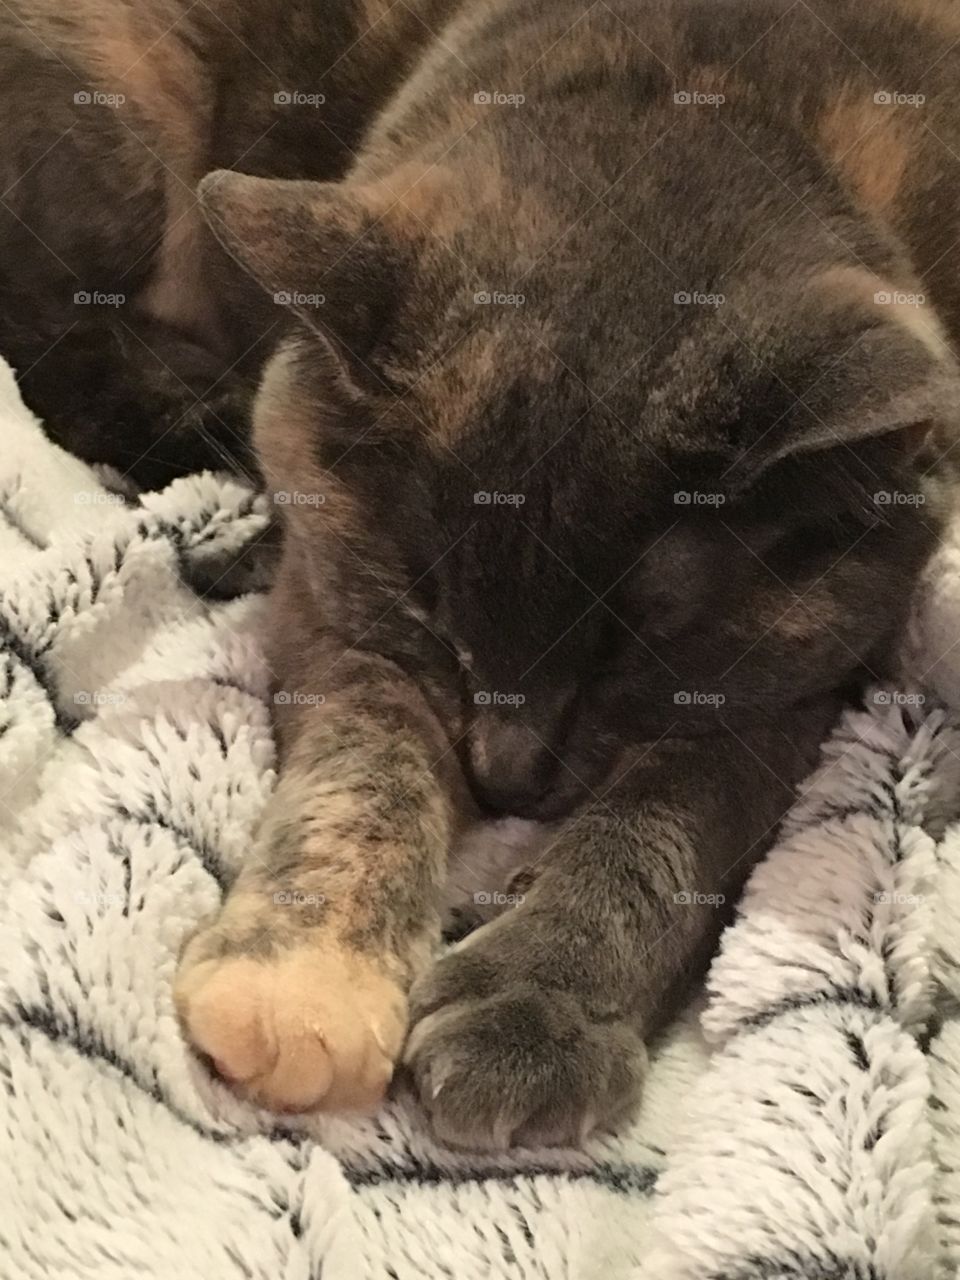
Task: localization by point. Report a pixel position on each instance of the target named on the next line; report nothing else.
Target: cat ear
(319, 248)
(869, 360)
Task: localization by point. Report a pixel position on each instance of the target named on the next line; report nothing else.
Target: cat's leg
(532, 1029)
(297, 992)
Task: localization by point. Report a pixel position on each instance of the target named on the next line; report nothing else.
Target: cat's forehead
(514, 413)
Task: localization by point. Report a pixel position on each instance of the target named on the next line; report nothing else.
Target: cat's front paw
(517, 1065)
(309, 1027)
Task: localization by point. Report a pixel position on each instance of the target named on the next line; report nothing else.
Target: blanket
(801, 1119)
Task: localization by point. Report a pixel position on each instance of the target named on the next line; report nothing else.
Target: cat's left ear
(865, 360)
(325, 249)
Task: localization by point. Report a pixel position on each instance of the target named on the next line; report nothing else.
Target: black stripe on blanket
(22, 1019)
(25, 1019)
(626, 1178)
(816, 1000)
(832, 1268)
(209, 857)
(38, 667)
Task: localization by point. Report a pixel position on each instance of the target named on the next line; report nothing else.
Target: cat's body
(111, 114)
(611, 416)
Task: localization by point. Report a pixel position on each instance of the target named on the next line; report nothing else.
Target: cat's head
(583, 499)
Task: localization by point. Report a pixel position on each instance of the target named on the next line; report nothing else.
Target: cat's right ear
(320, 248)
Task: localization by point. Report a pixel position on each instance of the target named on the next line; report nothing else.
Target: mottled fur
(667, 667)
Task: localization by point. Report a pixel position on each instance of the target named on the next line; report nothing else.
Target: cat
(607, 397)
(113, 296)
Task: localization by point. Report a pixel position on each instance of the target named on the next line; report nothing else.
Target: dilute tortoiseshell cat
(611, 393)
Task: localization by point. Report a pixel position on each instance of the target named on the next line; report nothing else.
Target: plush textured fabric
(801, 1120)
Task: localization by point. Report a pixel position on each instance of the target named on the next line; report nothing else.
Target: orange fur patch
(870, 145)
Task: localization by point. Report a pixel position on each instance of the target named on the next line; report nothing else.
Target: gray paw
(512, 1064)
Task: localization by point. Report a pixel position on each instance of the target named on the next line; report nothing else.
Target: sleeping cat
(608, 405)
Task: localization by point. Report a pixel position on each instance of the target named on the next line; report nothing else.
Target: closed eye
(613, 633)
(809, 542)
(434, 625)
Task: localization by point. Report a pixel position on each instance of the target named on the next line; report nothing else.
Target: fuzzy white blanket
(803, 1120)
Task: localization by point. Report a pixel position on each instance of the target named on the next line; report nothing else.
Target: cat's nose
(511, 769)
